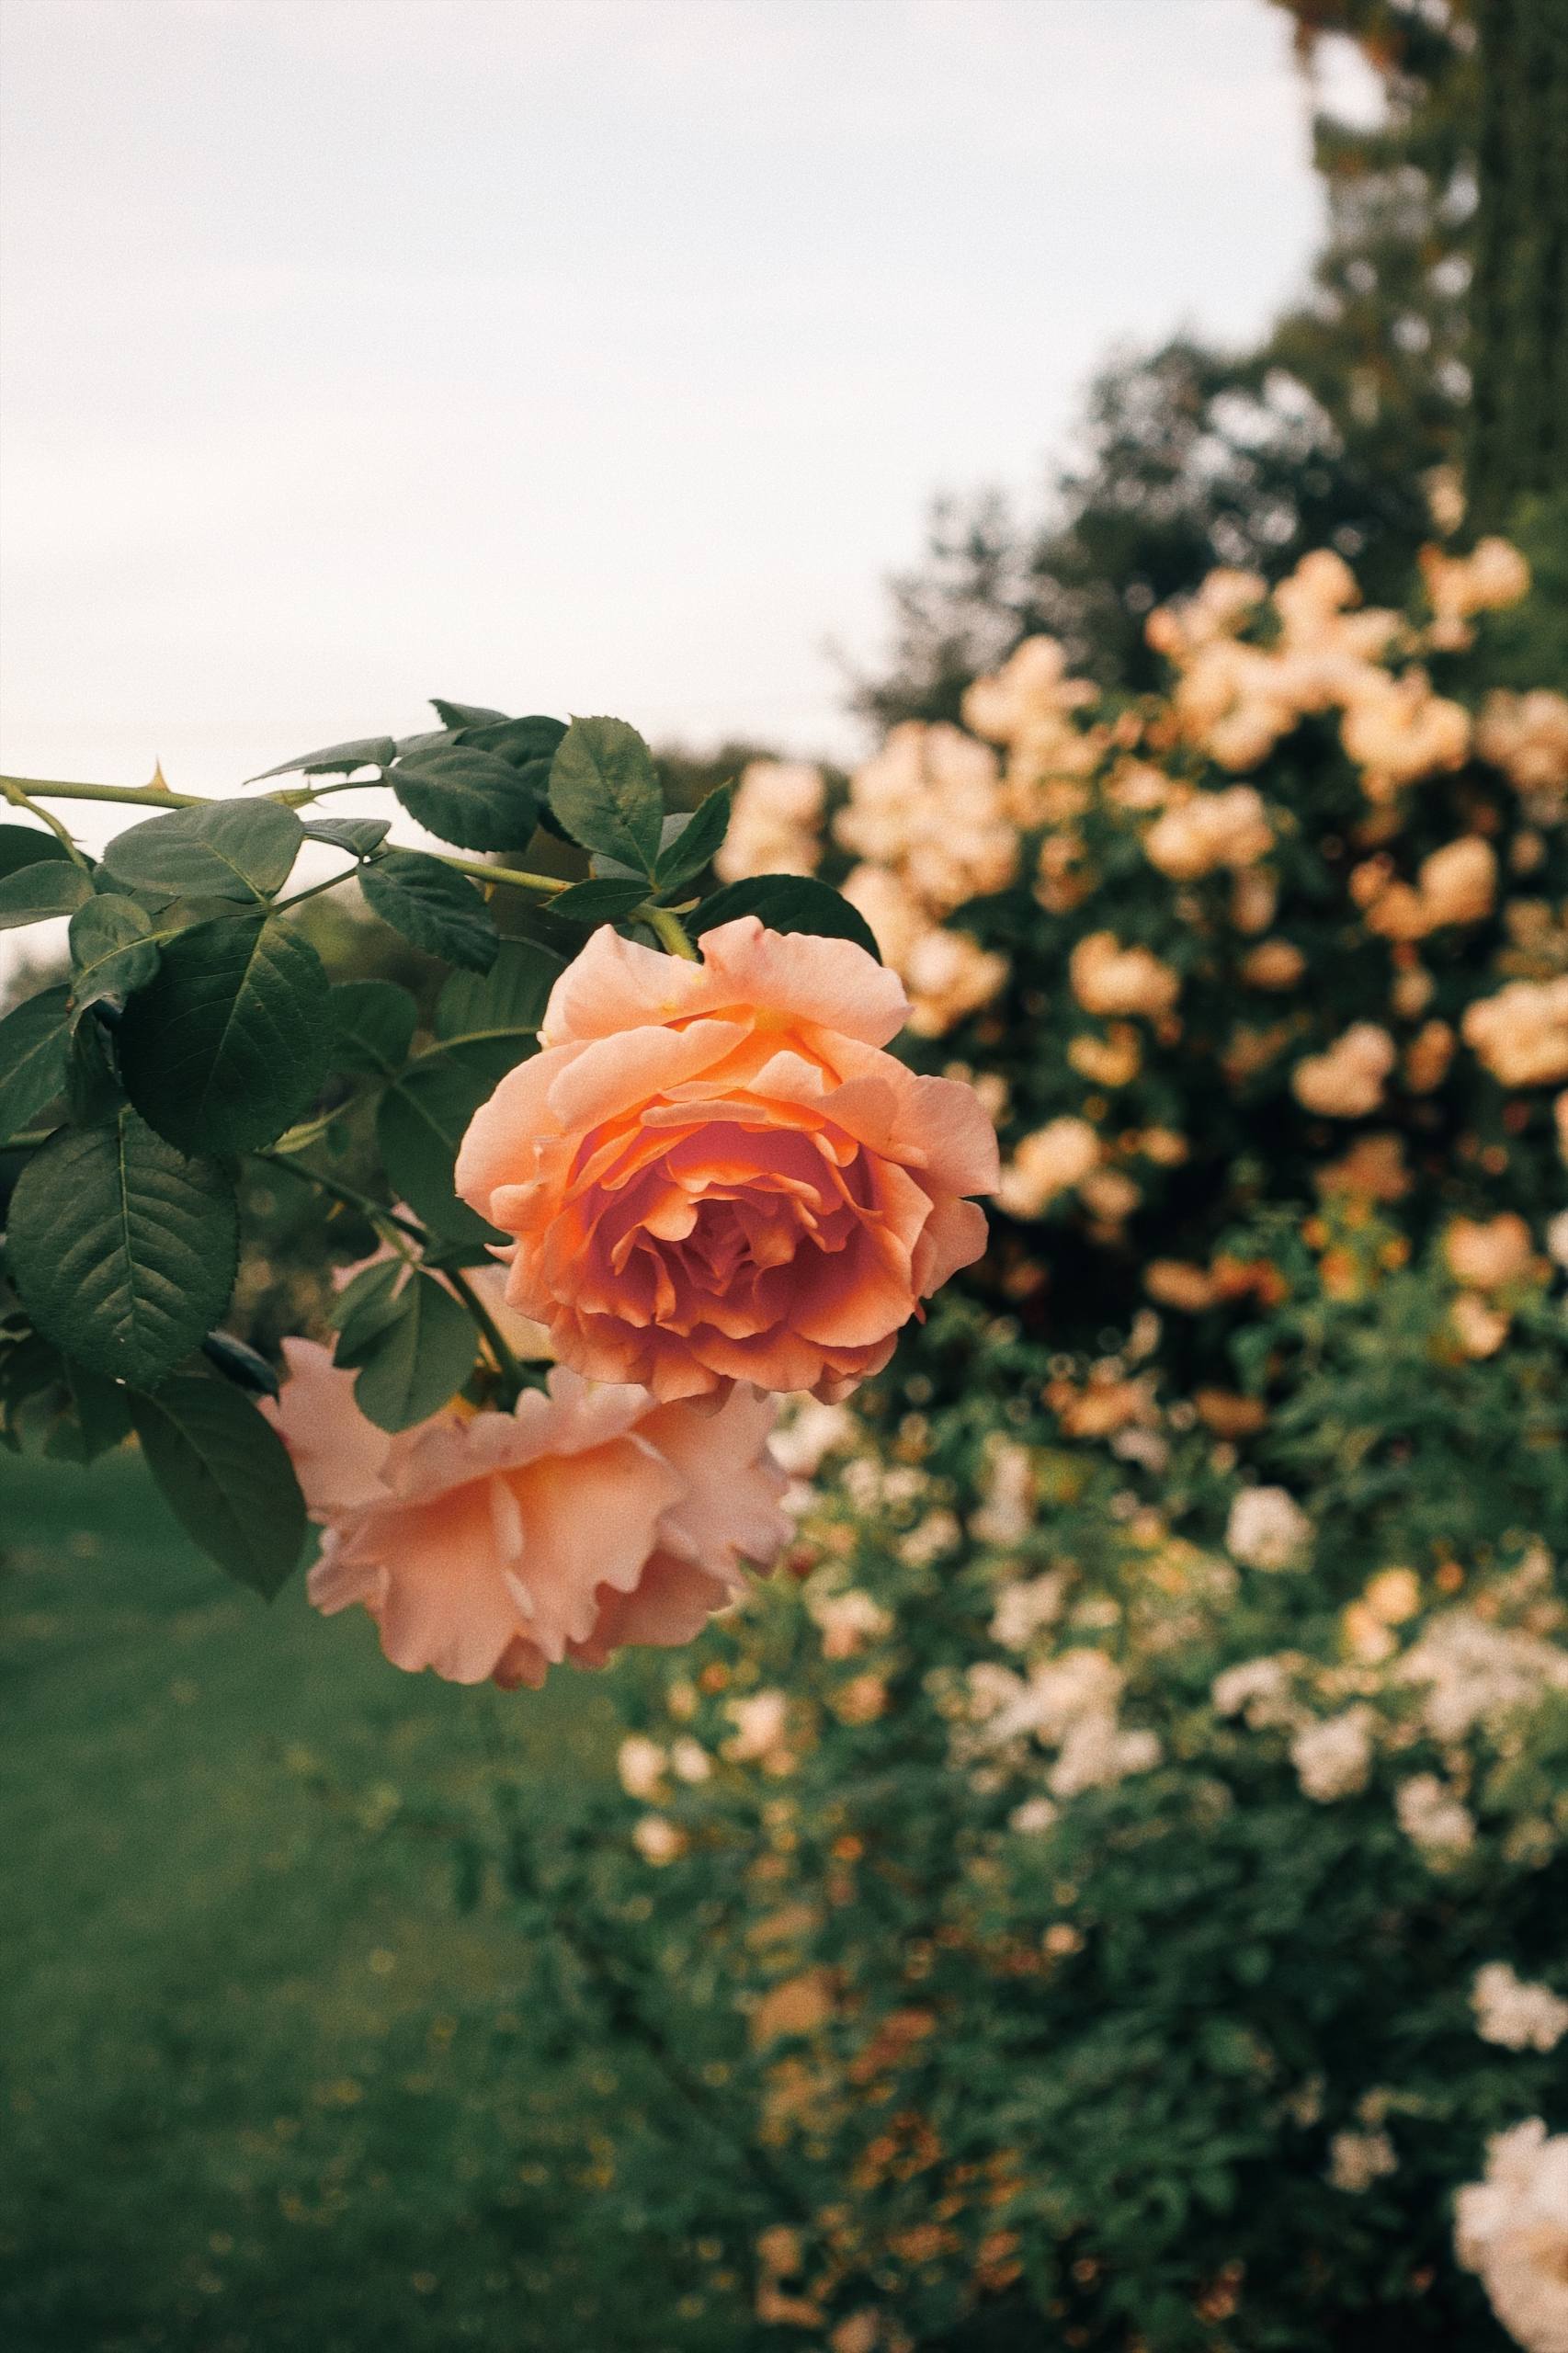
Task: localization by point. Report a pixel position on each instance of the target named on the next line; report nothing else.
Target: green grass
(267, 2089)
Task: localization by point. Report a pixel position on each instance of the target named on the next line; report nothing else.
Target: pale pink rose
(497, 1545)
(712, 1172)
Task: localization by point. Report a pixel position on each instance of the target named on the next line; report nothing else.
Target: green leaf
(110, 950)
(787, 903)
(32, 893)
(501, 1011)
(226, 1476)
(122, 1250)
(689, 843)
(29, 846)
(464, 714)
(34, 1059)
(421, 1358)
(433, 907)
(364, 1309)
(603, 789)
(599, 902)
(470, 797)
(360, 836)
(423, 1118)
(58, 1408)
(227, 1046)
(226, 849)
(372, 1026)
(529, 744)
(239, 1362)
(336, 759)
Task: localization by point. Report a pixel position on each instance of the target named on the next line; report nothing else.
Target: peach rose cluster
(713, 1172)
(497, 1545)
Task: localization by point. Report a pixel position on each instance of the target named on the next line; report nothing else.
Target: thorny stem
(20, 790)
(18, 796)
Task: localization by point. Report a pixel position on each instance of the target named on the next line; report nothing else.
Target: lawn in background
(264, 2089)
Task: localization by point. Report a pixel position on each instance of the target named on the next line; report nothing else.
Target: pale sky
(567, 354)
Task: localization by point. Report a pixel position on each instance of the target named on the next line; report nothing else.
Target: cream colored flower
(1346, 1081)
(1006, 1493)
(1527, 737)
(1273, 965)
(1358, 2159)
(1512, 2228)
(1489, 1253)
(775, 822)
(640, 1764)
(1432, 1817)
(1050, 1162)
(1259, 1689)
(1519, 2015)
(1521, 1034)
(1024, 1608)
(1269, 1529)
(949, 976)
(1397, 731)
(1492, 576)
(759, 1719)
(658, 1839)
(1209, 831)
(1334, 1756)
(1109, 979)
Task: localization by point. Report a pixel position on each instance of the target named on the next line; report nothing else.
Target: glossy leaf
(423, 1118)
(225, 849)
(363, 1309)
(787, 903)
(420, 1359)
(688, 845)
(29, 846)
(52, 1407)
(431, 906)
(603, 789)
(110, 951)
(141, 1268)
(335, 759)
(372, 1026)
(471, 798)
(228, 1045)
(454, 715)
(34, 892)
(505, 1007)
(600, 901)
(34, 1059)
(239, 1362)
(225, 1475)
(360, 836)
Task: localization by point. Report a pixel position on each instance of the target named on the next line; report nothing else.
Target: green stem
(392, 1224)
(500, 1347)
(19, 789)
(513, 876)
(18, 796)
(673, 934)
(28, 1142)
(140, 796)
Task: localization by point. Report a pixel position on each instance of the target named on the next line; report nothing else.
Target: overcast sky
(567, 354)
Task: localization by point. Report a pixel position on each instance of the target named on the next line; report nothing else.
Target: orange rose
(713, 1172)
(496, 1545)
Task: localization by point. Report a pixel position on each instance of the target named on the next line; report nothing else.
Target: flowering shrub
(1115, 1881)
(1110, 1890)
